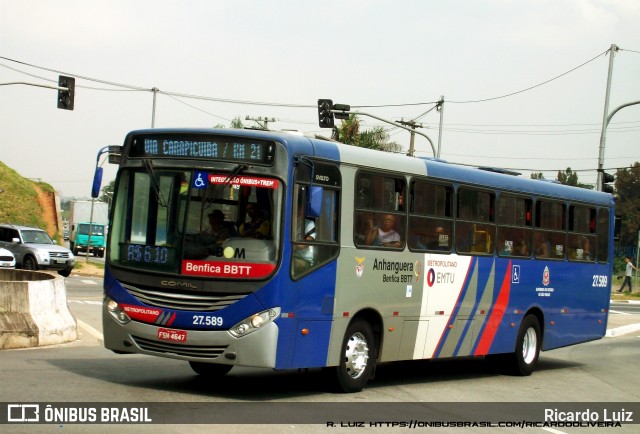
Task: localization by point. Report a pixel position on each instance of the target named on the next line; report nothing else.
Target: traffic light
(325, 115)
(65, 97)
(345, 108)
(605, 180)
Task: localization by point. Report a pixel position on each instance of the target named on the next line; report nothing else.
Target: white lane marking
(93, 332)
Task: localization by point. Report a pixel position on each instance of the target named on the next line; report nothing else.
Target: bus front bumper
(257, 349)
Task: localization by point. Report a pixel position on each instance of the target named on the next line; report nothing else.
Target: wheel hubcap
(356, 355)
(529, 345)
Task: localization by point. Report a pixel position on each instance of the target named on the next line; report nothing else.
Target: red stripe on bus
(493, 321)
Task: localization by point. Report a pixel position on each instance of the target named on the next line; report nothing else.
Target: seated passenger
(523, 248)
(207, 242)
(384, 235)
(364, 224)
(218, 231)
(542, 247)
(258, 226)
(305, 255)
(440, 240)
(581, 252)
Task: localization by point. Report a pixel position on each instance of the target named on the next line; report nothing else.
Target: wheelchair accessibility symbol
(515, 274)
(200, 180)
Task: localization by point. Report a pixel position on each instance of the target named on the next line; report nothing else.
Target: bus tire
(358, 357)
(524, 360)
(210, 369)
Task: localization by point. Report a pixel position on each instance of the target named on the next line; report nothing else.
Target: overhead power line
(275, 104)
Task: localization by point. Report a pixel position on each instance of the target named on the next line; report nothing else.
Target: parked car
(34, 250)
(7, 260)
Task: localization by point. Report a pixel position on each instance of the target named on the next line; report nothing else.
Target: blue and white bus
(263, 249)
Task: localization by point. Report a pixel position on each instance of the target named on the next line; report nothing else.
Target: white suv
(34, 250)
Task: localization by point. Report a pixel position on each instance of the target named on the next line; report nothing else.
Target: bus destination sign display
(243, 150)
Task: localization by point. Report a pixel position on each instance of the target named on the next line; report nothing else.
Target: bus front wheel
(357, 357)
(210, 369)
(524, 360)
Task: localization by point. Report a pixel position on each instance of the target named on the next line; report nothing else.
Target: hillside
(28, 203)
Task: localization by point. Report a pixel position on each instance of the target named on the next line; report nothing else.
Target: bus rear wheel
(210, 369)
(357, 357)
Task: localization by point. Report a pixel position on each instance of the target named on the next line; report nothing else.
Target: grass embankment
(19, 199)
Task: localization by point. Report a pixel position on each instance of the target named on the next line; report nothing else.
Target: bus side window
(475, 231)
(549, 234)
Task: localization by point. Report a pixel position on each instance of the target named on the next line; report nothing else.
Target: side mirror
(314, 204)
(15, 240)
(97, 182)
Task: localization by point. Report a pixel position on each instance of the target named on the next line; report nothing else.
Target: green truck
(96, 243)
(82, 220)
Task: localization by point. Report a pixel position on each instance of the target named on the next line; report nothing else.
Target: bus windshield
(206, 224)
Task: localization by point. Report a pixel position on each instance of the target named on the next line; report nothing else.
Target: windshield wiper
(239, 168)
(148, 165)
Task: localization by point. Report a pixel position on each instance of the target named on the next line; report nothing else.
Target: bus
(211, 260)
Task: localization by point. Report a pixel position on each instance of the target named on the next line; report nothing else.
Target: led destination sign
(203, 147)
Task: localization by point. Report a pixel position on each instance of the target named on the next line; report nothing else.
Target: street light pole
(441, 107)
(155, 91)
(603, 134)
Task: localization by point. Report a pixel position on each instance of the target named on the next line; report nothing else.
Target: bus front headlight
(117, 312)
(254, 322)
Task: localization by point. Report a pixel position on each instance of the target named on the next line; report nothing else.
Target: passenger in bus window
(207, 242)
(522, 248)
(258, 226)
(440, 240)
(586, 249)
(304, 255)
(364, 225)
(385, 235)
(582, 250)
(541, 245)
(505, 248)
(217, 232)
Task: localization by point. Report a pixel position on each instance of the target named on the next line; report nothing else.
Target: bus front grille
(183, 300)
(202, 352)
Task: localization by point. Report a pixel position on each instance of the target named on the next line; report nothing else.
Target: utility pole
(263, 122)
(413, 126)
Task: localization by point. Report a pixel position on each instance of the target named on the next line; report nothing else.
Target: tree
(569, 177)
(628, 203)
(107, 192)
(236, 123)
(375, 138)
(537, 175)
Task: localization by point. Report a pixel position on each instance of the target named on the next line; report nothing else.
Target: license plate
(172, 335)
(60, 261)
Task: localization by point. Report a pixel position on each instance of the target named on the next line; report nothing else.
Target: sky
(390, 58)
